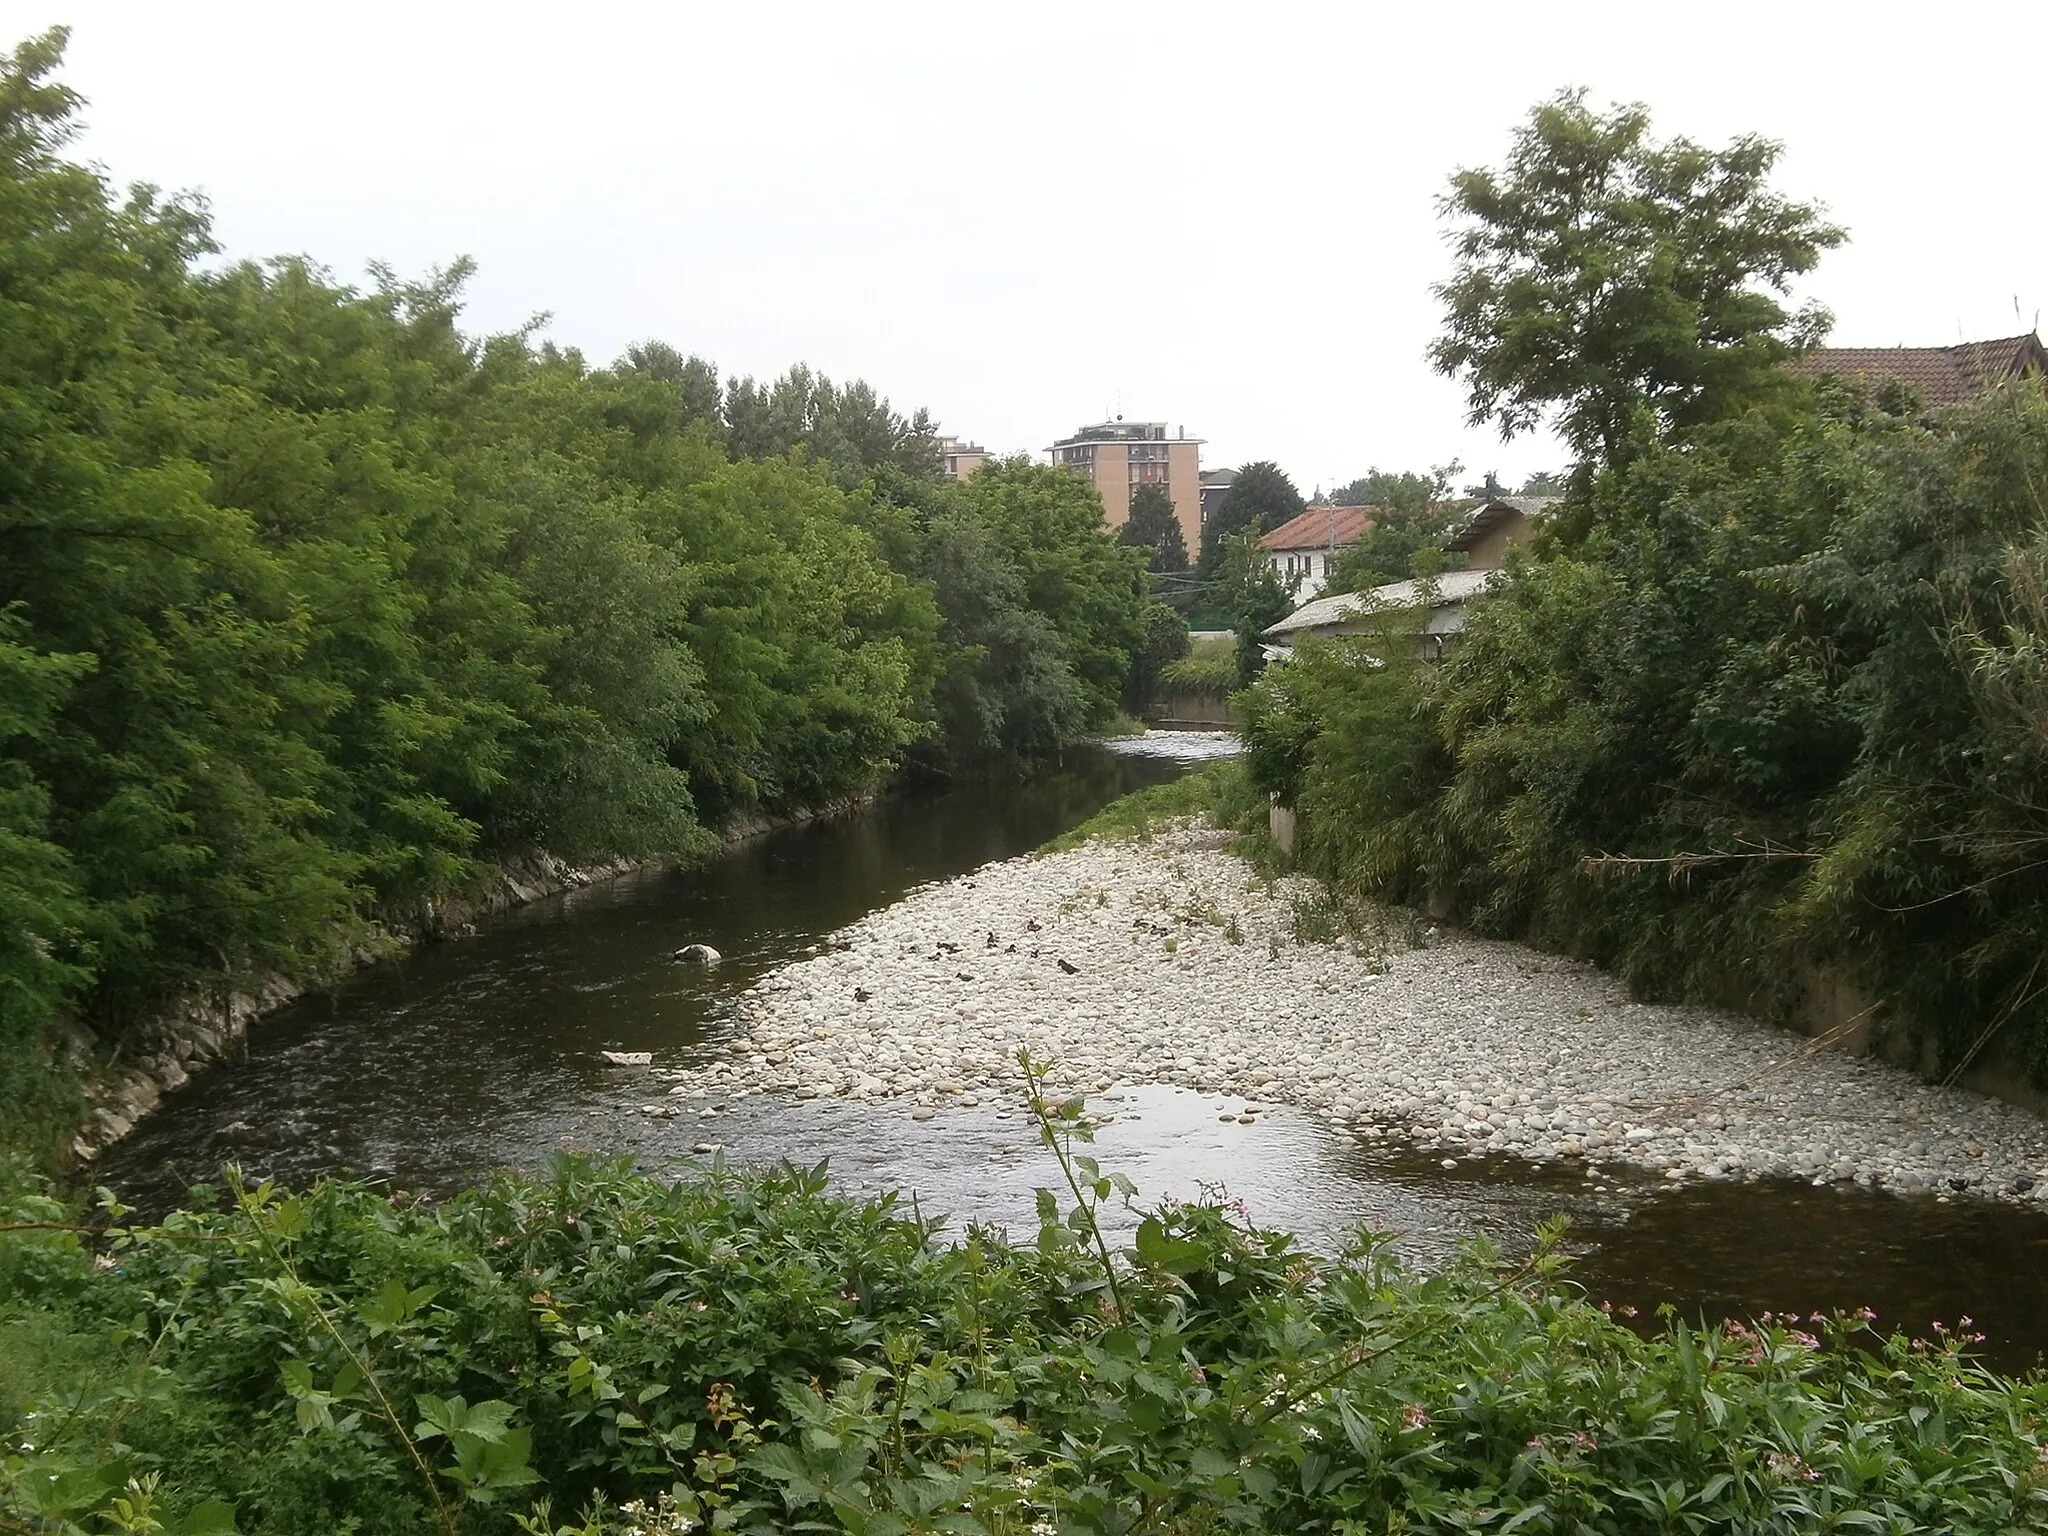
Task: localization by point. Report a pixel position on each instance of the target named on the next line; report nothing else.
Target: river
(486, 1051)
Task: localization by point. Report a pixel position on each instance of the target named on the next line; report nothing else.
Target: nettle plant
(751, 1352)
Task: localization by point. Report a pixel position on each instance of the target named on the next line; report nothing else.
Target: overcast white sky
(1026, 215)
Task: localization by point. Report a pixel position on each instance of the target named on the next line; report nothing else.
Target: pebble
(1172, 961)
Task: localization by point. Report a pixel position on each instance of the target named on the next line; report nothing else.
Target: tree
(848, 427)
(1153, 525)
(1411, 514)
(1049, 523)
(1404, 491)
(1542, 483)
(1255, 598)
(1622, 283)
(1260, 499)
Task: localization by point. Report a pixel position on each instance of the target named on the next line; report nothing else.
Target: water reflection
(484, 1052)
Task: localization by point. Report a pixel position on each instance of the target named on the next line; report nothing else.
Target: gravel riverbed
(1171, 961)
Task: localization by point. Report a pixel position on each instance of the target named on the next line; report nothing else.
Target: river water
(468, 1055)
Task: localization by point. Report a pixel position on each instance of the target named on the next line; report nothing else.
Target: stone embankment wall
(209, 1027)
(1190, 706)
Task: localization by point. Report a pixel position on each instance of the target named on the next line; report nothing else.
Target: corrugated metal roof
(1348, 607)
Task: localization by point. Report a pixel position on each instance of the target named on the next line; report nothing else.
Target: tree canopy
(1624, 284)
(1260, 499)
(313, 606)
(1411, 513)
(1154, 525)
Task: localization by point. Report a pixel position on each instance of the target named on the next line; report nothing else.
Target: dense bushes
(311, 605)
(757, 1354)
(1780, 707)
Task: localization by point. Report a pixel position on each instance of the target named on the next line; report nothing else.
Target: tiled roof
(1939, 375)
(1321, 528)
(1329, 612)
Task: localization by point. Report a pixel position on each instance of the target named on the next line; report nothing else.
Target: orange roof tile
(1321, 528)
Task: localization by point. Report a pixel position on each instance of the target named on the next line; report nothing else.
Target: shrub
(754, 1352)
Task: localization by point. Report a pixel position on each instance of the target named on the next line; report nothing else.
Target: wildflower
(1310, 1432)
(1413, 1416)
(1044, 1528)
(849, 1295)
(1585, 1442)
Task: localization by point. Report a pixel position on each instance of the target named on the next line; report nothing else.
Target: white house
(1303, 547)
(1493, 528)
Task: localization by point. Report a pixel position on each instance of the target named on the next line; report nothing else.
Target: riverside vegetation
(313, 607)
(1769, 703)
(591, 1352)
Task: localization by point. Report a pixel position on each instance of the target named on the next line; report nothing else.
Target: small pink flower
(1413, 1415)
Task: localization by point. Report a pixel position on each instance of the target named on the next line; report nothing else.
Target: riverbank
(205, 1029)
(1172, 961)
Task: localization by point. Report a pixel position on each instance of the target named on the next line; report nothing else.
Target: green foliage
(312, 607)
(1624, 283)
(1260, 499)
(1164, 646)
(1217, 793)
(1254, 597)
(1780, 708)
(1773, 704)
(1209, 667)
(1412, 515)
(1048, 522)
(752, 1353)
(1153, 524)
(847, 427)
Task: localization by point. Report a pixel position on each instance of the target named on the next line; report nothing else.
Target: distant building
(958, 459)
(1119, 456)
(1938, 375)
(1302, 549)
(1216, 483)
(1494, 527)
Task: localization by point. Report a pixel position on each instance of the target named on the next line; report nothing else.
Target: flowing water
(485, 1051)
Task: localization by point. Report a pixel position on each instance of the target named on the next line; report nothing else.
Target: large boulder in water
(698, 954)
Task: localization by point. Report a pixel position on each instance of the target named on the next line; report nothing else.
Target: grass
(1209, 667)
(1216, 794)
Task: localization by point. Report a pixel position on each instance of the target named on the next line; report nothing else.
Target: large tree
(1153, 525)
(1622, 283)
(1260, 499)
